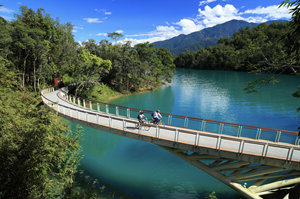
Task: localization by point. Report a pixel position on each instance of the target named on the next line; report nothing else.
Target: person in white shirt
(141, 117)
(156, 116)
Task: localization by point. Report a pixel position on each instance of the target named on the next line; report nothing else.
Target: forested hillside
(203, 38)
(249, 48)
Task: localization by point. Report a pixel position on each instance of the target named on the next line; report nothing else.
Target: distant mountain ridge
(206, 37)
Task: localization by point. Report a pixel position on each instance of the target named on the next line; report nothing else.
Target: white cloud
(77, 27)
(137, 41)
(104, 11)
(270, 12)
(6, 10)
(102, 34)
(119, 31)
(92, 20)
(189, 26)
(212, 16)
(208, 17)
(205, 2)
(74, 30)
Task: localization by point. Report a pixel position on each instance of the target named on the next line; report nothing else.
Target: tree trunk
(34, 75)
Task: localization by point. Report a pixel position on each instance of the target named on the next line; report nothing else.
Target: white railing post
(84, 103)
(239, 131)
(278, 136)
(128, 113)
(169, 120)
(289, 154)
(203, 125)
(218, 145)
(259, 132)
(117, 111)
(124, 126)
(265, 150)
(78, 101)
(241, 147)
(98, 108)
(91, 107)
(177, 135)
(196, 136)
(107, 110)
(220, 128)
(176, 130)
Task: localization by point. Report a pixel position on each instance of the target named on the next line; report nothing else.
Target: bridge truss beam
(263, 179)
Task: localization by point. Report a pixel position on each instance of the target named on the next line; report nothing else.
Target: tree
(38, 153)
(292, 38)
(168, 67)
(88, 70)
(115, 36)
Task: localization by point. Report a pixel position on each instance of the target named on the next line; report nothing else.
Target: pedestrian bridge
(254, 161)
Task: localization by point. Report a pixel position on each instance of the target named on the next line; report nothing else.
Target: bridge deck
(259, 151)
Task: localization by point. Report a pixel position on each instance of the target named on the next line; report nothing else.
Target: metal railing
(174, 134)
(238, 130)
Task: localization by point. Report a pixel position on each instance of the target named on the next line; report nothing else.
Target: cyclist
(141, 117)
(156, 116)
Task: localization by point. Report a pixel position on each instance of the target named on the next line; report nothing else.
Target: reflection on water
(144, 170)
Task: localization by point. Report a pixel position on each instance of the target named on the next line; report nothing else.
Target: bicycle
(142, 125)
(160, 123)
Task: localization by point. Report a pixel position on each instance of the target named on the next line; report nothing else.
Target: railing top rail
(191, 118)
(223, 136)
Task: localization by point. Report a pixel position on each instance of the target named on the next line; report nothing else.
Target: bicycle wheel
(161, 123)
(146, 127)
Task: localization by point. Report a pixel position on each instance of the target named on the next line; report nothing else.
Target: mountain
(206, 37)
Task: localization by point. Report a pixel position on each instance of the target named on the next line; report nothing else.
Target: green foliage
(115, 36)
(88, 70)
(256, 49)
(292, 38)
(102, 92)
(212, 196)
(38, 153)
(41, 49)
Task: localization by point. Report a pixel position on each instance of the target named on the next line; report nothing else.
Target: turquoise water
(144, 170)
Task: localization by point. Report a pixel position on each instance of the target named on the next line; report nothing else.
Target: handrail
(277, 136)
(266, 148)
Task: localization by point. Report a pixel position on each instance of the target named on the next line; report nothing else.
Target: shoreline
(141, 91)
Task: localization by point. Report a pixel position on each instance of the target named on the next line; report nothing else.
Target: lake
(143, 170)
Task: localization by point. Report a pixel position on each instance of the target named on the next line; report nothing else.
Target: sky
(142, 21)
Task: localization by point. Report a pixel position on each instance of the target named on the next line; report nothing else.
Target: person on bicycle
(141, 117)
(156, 116)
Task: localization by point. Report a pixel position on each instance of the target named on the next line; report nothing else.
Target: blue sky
(141, 21)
